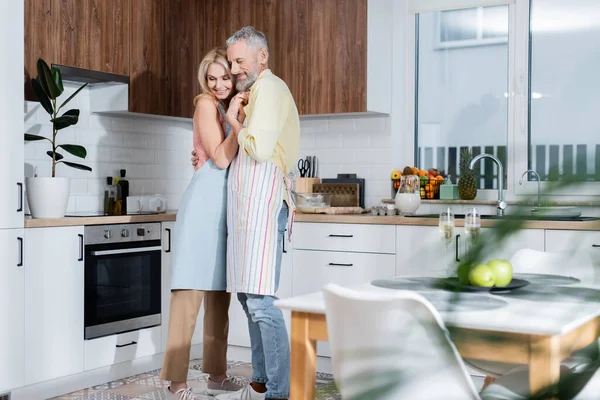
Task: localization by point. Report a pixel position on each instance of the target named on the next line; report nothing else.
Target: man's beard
(244, 85)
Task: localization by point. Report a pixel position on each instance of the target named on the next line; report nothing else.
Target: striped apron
(255, 194)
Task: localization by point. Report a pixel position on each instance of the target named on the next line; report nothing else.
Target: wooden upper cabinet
(337, 57)
(318, 47)
(90, 34)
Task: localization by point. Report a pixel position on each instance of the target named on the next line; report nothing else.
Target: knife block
(305, 185)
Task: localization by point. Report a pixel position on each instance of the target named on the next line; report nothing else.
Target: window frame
(479, 41)
(519, 97)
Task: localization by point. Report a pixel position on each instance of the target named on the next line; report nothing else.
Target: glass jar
(408, 198)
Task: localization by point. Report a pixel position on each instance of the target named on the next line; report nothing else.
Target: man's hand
(195, 158)
(235, 113)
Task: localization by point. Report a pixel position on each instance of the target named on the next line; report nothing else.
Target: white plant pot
(47, 197)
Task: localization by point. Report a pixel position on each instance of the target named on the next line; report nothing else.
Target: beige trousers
(185, 305)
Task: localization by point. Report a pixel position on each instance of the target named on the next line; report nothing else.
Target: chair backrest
(392, 346)
(577, 264)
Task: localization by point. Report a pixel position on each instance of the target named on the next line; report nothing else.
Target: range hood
(109, 93)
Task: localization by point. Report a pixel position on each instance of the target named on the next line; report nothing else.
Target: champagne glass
(446, 225)
(472, 226)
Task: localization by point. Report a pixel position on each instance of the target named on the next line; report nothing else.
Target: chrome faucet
(501, 204)
(538, 182)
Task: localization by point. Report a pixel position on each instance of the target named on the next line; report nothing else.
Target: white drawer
(345, 237)
(114, 349)
(315, 269)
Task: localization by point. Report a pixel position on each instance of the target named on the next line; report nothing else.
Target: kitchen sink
(515, 217)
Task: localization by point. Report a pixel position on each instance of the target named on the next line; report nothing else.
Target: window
(472, 26)
(462, 99)
(564, 85)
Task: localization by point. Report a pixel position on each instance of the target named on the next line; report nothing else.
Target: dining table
(538, 325)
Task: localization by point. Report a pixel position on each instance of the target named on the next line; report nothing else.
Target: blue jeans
(268, 335)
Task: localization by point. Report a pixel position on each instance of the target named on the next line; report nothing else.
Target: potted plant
(48, 196)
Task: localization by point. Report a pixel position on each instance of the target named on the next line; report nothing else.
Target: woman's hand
(236, 109)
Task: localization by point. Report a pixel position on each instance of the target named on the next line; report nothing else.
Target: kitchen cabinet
(363, 238)
(346, 254)
(114, 349)
(167, 264)
(576, 241)
(54, 298)
(90, 34)
(318, 47)
(11, 115)
(238, 322)
(420, 251)
(168, 41)
(12, 278)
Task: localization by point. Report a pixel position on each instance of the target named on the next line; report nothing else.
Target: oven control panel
(121, 233)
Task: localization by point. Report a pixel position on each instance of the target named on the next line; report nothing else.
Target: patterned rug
(149, 386)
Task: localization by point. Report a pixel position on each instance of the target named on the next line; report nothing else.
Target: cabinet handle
(80, 247)
(596, 245)
(168, 250)
(125, 345)
(20, 185)
(457, 259)
(340, 265)
(283, 243)
(342, 236)
(20, 263)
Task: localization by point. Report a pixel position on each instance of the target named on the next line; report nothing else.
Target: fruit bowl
(515, 283)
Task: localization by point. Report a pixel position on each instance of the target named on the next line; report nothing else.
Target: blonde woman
(200, 240)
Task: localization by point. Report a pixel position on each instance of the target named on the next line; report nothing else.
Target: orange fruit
(415, 171)
(422, 172)
(439, 178)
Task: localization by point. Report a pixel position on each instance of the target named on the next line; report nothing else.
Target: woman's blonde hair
(217, 55)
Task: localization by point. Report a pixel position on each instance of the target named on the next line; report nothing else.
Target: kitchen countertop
(300, 217)
(99, 220)
(545, 203)
(400, 220)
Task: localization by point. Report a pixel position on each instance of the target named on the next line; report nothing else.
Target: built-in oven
(122, 278)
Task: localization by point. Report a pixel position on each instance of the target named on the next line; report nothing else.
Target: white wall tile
(370, 124)
(143, 156)
(156, 154)
(122, 154)
(328, 141)
(342, 125)
(355, 140)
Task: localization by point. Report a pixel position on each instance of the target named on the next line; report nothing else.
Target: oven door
(122, 287)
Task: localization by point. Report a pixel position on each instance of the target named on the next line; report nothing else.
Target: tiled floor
(149, 386)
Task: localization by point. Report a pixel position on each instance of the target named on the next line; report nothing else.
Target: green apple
(503, 271)
(481, 275)
(463, 273)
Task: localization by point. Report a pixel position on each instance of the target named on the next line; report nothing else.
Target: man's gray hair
(251, 35)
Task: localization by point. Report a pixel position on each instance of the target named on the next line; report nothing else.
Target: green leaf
(47, 80)
(71, 96)
(32, 138)
(57, 156)
(67, 119)
(42, 96)
(76, 150)
(77, 166)
(58, 79)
